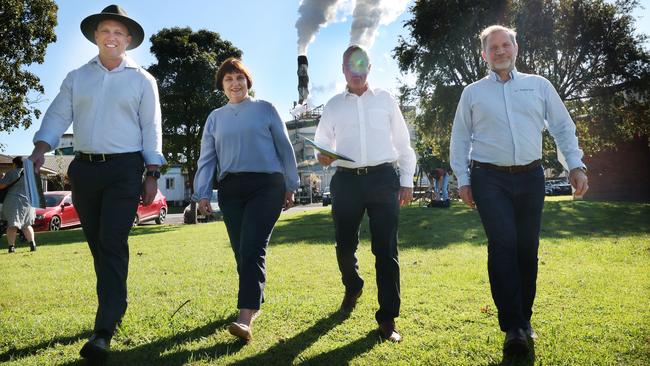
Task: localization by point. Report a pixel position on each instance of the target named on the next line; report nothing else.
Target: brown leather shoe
(388, 332)
(350, 301)
(242, 331)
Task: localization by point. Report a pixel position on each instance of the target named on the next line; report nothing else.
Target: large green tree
(588, 49)
(187, 63)
(26, 28)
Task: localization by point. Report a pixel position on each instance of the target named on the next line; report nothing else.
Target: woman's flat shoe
(240, 330)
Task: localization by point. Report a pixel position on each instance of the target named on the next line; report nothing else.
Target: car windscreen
(52, 200)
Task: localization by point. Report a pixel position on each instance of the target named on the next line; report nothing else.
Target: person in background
(112, 104)
(16, 208)
(246, 145)
(367, 125)
(495, 152)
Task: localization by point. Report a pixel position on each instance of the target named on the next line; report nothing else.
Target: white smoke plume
(313, 15)
(368, 15)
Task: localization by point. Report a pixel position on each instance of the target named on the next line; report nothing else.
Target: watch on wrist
(152, 173)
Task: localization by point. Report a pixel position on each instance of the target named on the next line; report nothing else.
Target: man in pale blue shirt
(496, 150)
(113, 106)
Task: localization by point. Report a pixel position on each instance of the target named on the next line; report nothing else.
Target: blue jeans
(441, 189)
(510, 206)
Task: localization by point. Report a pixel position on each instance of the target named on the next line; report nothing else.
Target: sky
(264, 30)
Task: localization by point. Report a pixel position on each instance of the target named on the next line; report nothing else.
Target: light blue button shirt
(502, 122)
(113, 111)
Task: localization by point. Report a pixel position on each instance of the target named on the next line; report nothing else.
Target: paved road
(176, 219)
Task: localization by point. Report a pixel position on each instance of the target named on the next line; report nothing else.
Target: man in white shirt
(367, 126)
(496, 151)
(113, 106)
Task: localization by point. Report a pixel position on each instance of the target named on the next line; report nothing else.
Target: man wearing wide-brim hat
(113, 106)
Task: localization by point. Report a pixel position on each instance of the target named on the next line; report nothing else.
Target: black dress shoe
(350, 300)
(388, 332)
(530, 332)
(96, 349)
(32, 246)
(12, 249)
(515, 344)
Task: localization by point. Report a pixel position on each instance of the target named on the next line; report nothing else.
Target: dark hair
(18, 161)
(232, 65)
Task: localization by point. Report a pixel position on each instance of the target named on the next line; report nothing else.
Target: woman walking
(16, 209)
(246, 145)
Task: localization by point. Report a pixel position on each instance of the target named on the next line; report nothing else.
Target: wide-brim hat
(113, 12)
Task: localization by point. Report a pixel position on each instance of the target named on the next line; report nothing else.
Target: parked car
(59, 212)
(157, 210)
(188, 214)
(327, 196)
(555, 187)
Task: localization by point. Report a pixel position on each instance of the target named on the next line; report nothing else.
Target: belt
(100, 158)
(364, 169)
(509, 169)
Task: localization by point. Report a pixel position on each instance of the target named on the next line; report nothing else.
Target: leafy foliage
(187, 63)
(27, 27)
(586, 48)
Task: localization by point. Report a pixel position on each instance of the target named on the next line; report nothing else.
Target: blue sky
(264, 30)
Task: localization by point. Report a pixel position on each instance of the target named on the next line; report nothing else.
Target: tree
(187, 63)
(586, 48)
(27, 27)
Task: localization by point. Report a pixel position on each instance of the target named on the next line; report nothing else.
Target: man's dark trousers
(106, 196)
(510, 206)
(377, 193)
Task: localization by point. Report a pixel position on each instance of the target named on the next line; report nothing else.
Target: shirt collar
(494, 76)
(127, 62)
(348, 93)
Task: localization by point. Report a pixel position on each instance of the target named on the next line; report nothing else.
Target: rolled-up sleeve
(402, 143)
(151, 123)
(284, 149)
(58, 116)
(461, 135)
(207, 164)
(562, 127)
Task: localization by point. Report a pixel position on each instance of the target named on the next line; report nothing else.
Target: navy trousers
(106, 196)
(510, 206)
(251, 204)
(377, 193)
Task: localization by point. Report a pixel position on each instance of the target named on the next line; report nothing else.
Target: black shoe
(350, 300)
(96, 349)
(32, 246)
(12, 249)
(515, 344)
(530, 332)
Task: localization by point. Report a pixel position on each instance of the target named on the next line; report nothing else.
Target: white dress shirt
(369, 129)
(502, 123)
(114, 111)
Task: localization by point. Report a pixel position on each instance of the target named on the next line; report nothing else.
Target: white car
(188, 214)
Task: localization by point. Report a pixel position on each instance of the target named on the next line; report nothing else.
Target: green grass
(592, 308)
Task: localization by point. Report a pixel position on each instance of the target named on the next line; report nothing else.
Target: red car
(59, 212)
(157, 210)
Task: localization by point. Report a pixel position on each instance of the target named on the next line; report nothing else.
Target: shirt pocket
(378, 119)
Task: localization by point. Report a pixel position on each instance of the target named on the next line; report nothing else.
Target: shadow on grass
(76, 235)
(150, 353)
(16, 354)
(284, 353)
(519, 361)
(343, 355)
(436, 228)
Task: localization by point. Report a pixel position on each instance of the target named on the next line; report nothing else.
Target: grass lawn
(592, 308)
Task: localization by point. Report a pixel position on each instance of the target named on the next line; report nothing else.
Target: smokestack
(303, 79)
